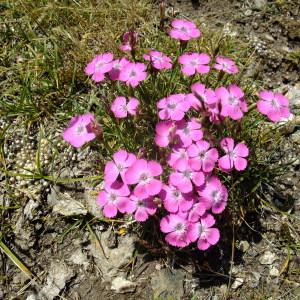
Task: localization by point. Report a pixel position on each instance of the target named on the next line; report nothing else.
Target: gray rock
(235, 270)
(69, 207)
(79, 258)
(293, 94)
(295, 137)
(274, 272)
(248, 12)
(121, 285)
(32, 297)
(244, 246)
(238, 282)
(168, 284)
(259, 4)
(53, 196)
(24, 234)
(114, 259)
(65, 204)
(268, 37)
(267, 258)
(91, 203)
(29, 208)
(59, 274)
(253, 279)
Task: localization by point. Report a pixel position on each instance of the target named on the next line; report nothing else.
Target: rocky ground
(73, 256)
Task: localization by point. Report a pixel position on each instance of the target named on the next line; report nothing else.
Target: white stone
(121, 285)
(274, 272)
(29, 208)
(267, 258)
(237, 283)
(244, 246)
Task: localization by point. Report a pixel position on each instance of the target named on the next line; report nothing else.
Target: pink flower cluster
(218, 104)
(132, 73)
(130, 185)
(186, 178)
(193, 192)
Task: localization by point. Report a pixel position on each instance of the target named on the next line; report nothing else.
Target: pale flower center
(158, 58)
(144, 178)
(140, 203)
(233, 100)
(80, 129)
(275, 103)
(180, 227)
(194, 63)
(216, 195)
(225, 66)
(187, 173)
(186, 130)
(182, 154)
(184, 29)
(202, 155)
(202, 231)
(117, 66)
(176, 194)
(171, 105)
(99, 65)
(113, 197)
(132, 73)
(232, 154)
(120, 167)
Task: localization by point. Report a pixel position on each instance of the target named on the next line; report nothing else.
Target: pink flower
(173, 107)
(117, 66)
(208, 96)
(214, 113)
(226, 65)
(100, 65)
(165, 131)
(81, 130)
(197, 210)
(202, 157)
(184, 30)
(174, 200)
(122, 160)
(214, 195)
(203, 231)
(273, 105)
(194, 63)
(143, 208)
(129, 41)
(234, 155)
(188, 132)
(125, 47)
(193, 101)
(183, 179)
(133, 73)
(178, 159)
(177, 229)
(232, 101)
(142, 173)
(158, 60)
(114, 198)
(121, 109)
